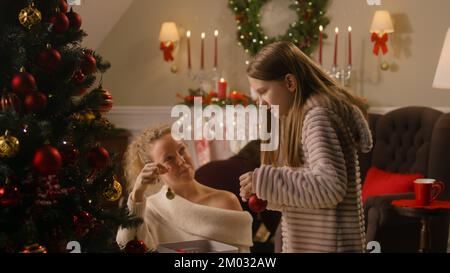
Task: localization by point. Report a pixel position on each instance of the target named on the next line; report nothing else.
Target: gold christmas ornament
(113, 192)
(9, 146)
(385, 66)
(169, 194)
(89, 116)
(84, 116)
(30, 16)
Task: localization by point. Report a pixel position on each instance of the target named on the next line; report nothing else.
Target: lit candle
(350, 45)
(188, 34)
(336, 46)
(222, 89)
(216, 35)
(202, 54)
(320, 44)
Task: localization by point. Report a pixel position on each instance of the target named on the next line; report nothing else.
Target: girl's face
(279, 93)
(175, 157)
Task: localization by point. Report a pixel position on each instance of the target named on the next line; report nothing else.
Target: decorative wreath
(304, 32)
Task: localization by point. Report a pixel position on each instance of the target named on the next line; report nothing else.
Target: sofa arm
(380, 207)
(386, 200)
(379, 213)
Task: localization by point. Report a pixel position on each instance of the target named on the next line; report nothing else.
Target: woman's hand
(148, 176)
(246, 186)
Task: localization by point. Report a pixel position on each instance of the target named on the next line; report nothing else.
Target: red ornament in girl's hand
(257, 205)
(81, 92)
(136, 246)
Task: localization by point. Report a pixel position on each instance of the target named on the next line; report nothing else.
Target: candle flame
(216, 33)
(336, 30)
(349, 29)
(222, 80)
(321, 28)
(188, 34)
(203, 35)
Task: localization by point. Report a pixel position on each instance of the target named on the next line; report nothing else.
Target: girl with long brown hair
(313, 178)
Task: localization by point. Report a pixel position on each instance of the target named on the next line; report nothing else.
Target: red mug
(427, 190)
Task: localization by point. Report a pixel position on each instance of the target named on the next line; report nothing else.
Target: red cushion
(379, 182)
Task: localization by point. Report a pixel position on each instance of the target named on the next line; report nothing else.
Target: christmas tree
(57, 183)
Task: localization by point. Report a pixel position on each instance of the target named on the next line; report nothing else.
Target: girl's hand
(246, 186)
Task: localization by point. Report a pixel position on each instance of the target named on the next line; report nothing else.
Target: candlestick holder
(207, 81)
(341, 75)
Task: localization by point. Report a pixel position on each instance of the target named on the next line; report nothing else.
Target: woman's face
(174, 156)
(273, 93)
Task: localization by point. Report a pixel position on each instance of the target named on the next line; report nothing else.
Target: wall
(95, 24)
(140, 77)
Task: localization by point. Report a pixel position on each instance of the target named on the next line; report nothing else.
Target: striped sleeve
(322, 183)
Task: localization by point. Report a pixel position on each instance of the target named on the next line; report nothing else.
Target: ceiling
(99, 18)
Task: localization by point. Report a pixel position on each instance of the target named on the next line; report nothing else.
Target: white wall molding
(136, 118)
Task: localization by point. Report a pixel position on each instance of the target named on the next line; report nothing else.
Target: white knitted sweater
(177, 220)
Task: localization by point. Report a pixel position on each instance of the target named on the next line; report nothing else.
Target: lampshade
(169, 32)
(442, 78)
(382, 22)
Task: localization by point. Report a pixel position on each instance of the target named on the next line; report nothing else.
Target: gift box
(198, 246)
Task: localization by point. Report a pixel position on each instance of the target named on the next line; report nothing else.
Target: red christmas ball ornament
(49, 59)
(60, 22)
(35, 102)
(136, 246)
(89, 65)
(23, 83)
(83, 221)
(257, 205)
(63, 6)
(103, 100)
(98, 157)
(74, 20)
(79, 77)
(47, 160)
(9, 196)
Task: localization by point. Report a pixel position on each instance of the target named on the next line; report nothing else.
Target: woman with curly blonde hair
(183, 209)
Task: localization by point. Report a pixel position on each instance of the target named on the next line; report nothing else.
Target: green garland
(304, 32)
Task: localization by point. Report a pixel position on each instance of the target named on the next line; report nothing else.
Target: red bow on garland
(167, 49)
(379, 42)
